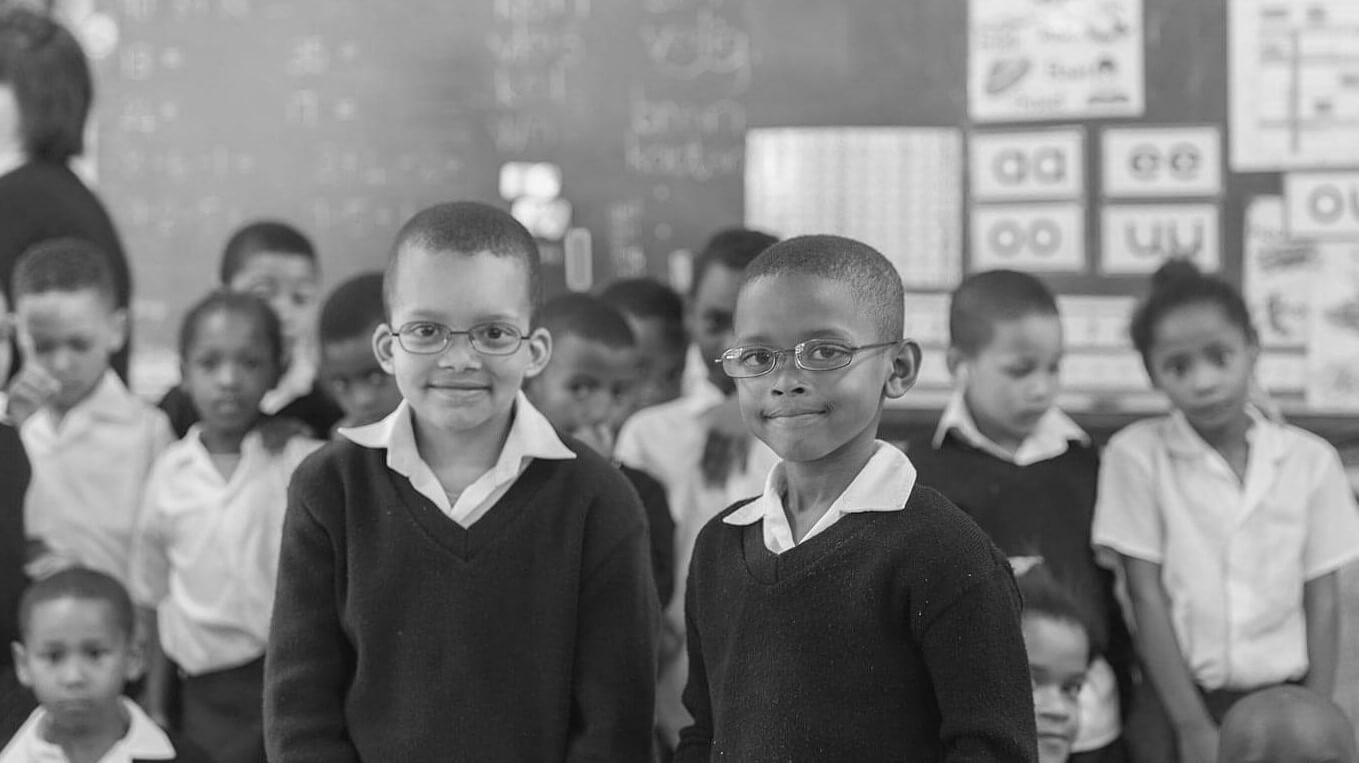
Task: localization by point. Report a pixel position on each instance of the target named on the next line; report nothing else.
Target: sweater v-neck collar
(769, 569)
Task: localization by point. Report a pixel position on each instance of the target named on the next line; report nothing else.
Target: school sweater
(399, 635)
(315, 409)
(890, 636)
(14, 476)
(1043, 509)
(662, 526)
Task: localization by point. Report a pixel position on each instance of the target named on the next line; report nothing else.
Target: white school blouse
(144, 740)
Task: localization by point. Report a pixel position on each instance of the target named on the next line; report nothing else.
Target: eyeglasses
(427, 338)
(811, 355)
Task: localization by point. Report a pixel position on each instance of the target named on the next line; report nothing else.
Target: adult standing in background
(45, 95)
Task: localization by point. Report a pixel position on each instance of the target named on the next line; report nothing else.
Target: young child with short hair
(587, 389)
(1230, 527)
(656, 315)
(1006, 454)
(455, 580)
(277, 263)
(206, 555)
(1287, 724)
(848, 611)
(349, 369)
(77, 652)
(90, 440)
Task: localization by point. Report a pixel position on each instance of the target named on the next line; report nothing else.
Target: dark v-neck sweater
(890, 636)
(399, 635)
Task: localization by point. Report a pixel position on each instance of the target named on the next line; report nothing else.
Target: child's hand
(1198, 743)
(30, 391)
(276, 431)
(727, 444)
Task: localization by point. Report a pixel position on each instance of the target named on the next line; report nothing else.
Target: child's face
(227, 370)
(356, 381)
(710, 318)
(662, 363)
(76, 660)
(288, 282)
(1203, 362)
(586, 385)
(71, 335)
(1012, 381)
(808, 416)
(460, 390)
(1059, 655)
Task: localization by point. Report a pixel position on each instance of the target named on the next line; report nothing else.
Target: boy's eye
(828, 353)
(583, 388)
(424, 330)
(755, 357)
(1072, 689)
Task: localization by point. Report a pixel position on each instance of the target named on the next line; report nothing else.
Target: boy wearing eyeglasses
(457, 581)
(848, 613)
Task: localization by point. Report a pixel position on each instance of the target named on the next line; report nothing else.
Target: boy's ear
(540, 351)
(21, 664)
(383, 338)
(905, 369)
(117, 330)
(136, 657)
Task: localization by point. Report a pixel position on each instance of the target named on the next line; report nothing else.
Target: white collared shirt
(531, 436)
(1051, 437)
(1234, 554)
(144, 740)
(206, 554)
(89, 471)
(884, 484)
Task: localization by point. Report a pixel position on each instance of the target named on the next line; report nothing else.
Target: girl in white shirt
(206, 556)
(1230, 527)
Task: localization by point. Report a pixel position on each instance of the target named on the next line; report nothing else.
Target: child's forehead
(451, 283)
(65, 305)
(74, 616)
(276, 263)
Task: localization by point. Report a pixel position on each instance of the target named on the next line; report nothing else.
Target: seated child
(1287, 724)
(656, 315)
(77, 653)
(206, 555)
(848, 611)
(1230, 527)
(587, 389)
(455, 581)
(90, 440)
(277, 263)
(349, 369)
(1025, 472)
(14, 476)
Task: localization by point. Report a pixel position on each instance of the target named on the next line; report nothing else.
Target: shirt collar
(194, 449)
(144, 741)
(110, 400)
(1264, 435)
(1050, 437)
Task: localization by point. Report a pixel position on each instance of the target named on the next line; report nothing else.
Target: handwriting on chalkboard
(707, 44)
(535, 46)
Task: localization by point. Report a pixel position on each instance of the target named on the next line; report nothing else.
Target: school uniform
(311, 406)
(14, 476)
(144, 741)
(512, 622)
(889, 632)
(1040, 501)
(89, 471)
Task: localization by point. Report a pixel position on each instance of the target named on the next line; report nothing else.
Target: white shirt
(206, 556)
(1050, 438)
(144, 740)
(1234, 557)
(89, 470)
(884, 484)
(531, 436)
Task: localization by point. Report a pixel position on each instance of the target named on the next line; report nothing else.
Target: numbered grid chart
(897, 189)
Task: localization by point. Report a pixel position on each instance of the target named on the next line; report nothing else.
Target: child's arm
(1320, 603)
(696, 739)
(1170, 677)
(155, 698)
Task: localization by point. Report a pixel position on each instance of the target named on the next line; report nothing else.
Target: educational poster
(1294, 80)
(1333, 339)
(898, 189)
(1055, 59)
(1149, 162)
(1038, 238)
(1027, 166)
(1092, 322)
(1322, 205)
(1277, 272)
(1137, 238)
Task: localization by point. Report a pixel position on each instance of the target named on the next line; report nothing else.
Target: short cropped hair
(64, 265)
(1044, 594)
(733, 248)
(589, 318)
(870, 275)
(353, 309)
(984, 299)
(50, 76)
(259, 237)
(466, 228)
(80, 583)
(235, 303)
(649, 299)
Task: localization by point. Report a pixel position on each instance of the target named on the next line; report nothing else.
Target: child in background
(1287, 724)
(697, 445)
(656, 315)
(1025, 472)
(78, 653)
(276, 263)
(585, 389)
(90, 440)
(14, 476)
(455, 581)
(1230, 527)
(349, 369)
(206, 556)
(847, 612)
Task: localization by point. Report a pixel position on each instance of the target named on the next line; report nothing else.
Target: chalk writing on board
(707, 45)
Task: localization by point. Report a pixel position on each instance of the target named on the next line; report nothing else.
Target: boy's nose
(71, 673)
(1051, 705)
(459, 354)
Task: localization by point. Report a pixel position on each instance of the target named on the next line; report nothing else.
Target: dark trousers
(1149, 733)
(223, 712)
